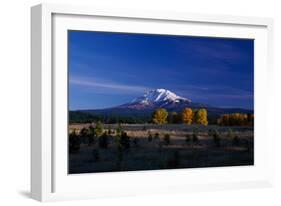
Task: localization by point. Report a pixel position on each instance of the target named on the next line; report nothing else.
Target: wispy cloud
(227, 96)
(107, 84)
(212, 50)
(206, 93)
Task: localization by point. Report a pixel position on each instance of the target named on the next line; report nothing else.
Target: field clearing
(166, 127)
(157, 154)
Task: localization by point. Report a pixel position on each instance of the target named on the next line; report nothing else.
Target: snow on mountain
(161, 98)
(158, 96)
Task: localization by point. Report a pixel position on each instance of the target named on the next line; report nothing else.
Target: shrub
(74, 142)
(91, 136)
(187, 138)
(195, 136)
(125, 140)
(99, 129)
(149, 138)
(156, 136)
(174, 118)
(84, 135)
(211, 132)
(216, 138)
(109, 130)
(230, 133)
(83, 132)
(167, 139)
(236, 141)
(119, 129)
(103, 141)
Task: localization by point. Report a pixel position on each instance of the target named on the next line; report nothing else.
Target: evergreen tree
(149, 138)
(125, 140)
(156, 136)
(174, 118)
(167, 139)
(187, 138)
(216, 138)
(195, 136)
(91, 135)
(99, 129)
(74, 142)
(119, 129)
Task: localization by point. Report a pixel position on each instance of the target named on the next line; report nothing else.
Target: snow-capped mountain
(158, 98)
(144, 106)
(159, 95)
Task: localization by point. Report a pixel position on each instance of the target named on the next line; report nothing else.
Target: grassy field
(181, 151)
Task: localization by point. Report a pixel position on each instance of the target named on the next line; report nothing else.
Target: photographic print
(153, 101)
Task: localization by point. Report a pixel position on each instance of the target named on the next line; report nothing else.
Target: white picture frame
(49, 179)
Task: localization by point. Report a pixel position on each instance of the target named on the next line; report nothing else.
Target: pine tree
(119, 129)
(99, 129)
(125, 140)
(74, 142)
(167, 139)
(174, 118)
(91, 135)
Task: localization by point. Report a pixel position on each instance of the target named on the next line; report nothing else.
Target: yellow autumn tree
(160, 116)
(236, 119)
(187, 116)
(201, 117)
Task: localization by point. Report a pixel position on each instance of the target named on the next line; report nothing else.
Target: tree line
(162, 116)
(187, 116)
(236, 119)
(84, 117)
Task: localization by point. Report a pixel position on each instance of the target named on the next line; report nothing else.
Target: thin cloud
(109, 85)
(212, 50)
(227, 96)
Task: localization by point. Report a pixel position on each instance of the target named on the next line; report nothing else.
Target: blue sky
(109, 69)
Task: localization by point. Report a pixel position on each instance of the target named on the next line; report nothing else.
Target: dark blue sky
(109, 69)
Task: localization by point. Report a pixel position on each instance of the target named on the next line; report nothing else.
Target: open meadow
(132, 147)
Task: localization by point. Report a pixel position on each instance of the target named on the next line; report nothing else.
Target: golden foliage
(187, 116)
(236, 119)
(160, 116)
(200, 117)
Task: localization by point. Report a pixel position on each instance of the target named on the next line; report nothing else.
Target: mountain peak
(159, 95)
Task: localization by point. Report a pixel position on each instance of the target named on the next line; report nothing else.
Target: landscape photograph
(151, 101)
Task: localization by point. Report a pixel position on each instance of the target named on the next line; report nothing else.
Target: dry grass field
(177, 150)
